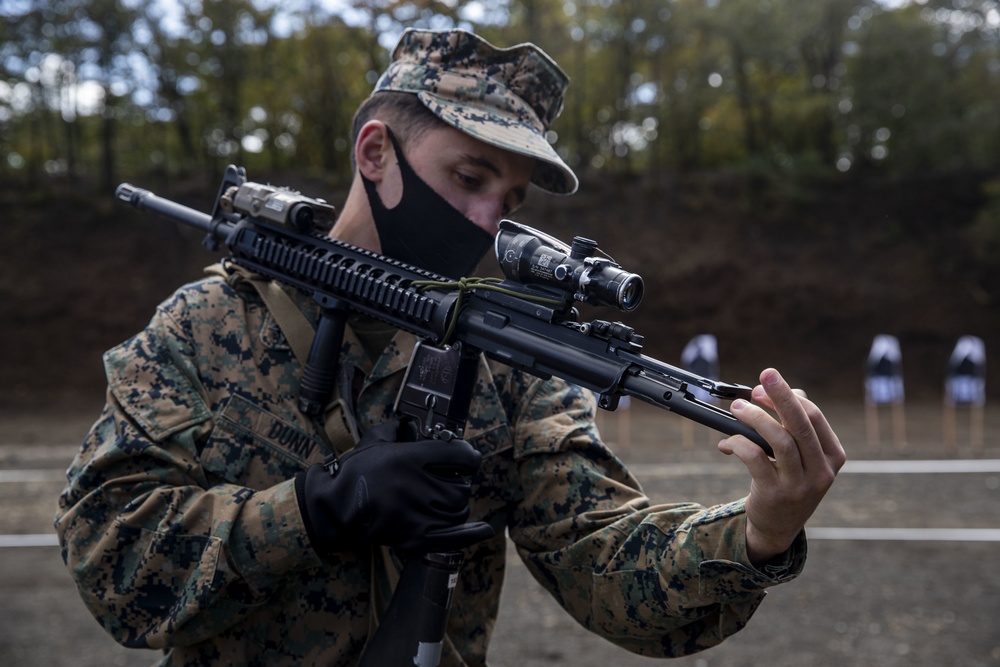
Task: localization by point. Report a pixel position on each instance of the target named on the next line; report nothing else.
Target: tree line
(123, 87)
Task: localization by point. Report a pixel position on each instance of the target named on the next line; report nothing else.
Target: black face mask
(424, 229)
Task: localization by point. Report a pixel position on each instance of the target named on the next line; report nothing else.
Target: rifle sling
(339, 423)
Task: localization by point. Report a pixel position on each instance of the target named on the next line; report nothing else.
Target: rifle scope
(533, 257)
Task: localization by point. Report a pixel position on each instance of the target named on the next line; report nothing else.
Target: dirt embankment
(802, 284)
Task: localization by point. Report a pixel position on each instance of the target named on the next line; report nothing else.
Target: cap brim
(490, 126)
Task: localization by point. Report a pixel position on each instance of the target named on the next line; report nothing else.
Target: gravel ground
(876, 602)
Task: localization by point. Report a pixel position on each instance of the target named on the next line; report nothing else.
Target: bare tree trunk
(108, 144)
(744, 98)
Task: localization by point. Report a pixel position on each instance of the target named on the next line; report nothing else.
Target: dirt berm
(799, 282)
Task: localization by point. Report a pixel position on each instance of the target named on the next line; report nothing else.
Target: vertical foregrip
(320, 372)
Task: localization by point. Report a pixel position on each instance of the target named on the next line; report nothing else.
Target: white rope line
(887, 467)
(929, 466)
(905, 534)
(944, 466)
(42, 540)
(813, 533)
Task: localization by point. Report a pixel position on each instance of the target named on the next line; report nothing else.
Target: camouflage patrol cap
(504, 97)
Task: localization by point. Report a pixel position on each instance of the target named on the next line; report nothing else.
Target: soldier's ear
(373, 150)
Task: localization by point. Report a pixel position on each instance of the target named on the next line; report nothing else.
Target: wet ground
(924, 591)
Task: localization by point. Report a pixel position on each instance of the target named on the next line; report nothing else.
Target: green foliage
(763, 87)
(926, 90)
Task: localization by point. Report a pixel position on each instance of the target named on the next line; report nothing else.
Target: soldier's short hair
(505, 97)
(404, 113)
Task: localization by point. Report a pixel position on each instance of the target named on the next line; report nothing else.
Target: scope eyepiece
(533, 257)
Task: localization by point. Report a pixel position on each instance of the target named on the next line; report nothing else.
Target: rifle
(527, 320)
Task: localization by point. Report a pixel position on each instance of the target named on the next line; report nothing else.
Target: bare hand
(785, 490)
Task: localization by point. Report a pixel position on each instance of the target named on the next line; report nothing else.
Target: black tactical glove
(410, 495)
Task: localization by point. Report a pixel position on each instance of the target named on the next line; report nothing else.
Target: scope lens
(630, 293)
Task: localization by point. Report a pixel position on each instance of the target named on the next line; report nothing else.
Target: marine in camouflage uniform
(180, 522)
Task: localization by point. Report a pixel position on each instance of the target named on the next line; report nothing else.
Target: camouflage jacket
(181, 527)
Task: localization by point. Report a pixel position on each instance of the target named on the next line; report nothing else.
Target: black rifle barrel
(144, 200)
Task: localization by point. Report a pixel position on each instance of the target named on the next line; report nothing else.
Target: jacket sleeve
(664, 580)
(164, 551)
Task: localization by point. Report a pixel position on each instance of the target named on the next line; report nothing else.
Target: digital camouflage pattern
(181, 527)
(506, 97)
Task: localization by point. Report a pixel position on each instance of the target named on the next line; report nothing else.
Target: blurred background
(807, 182)
(794, 178)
